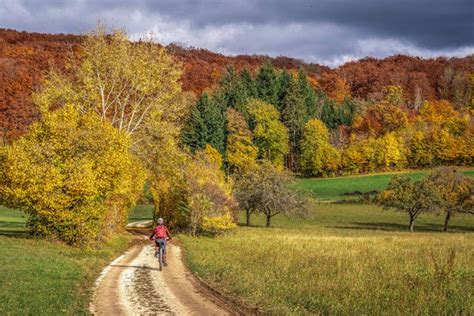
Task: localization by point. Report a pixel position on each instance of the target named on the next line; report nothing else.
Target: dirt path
(133, 285)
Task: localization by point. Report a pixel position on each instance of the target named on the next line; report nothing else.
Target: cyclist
(160, 234)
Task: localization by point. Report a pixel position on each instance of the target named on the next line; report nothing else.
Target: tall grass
(344, 260)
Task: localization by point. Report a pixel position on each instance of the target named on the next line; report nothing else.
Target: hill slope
(25, 57)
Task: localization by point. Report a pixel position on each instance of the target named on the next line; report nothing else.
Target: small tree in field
(266, 190)
(411, 197)
(455, 190)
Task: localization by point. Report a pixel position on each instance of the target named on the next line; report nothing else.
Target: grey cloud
(329, 31)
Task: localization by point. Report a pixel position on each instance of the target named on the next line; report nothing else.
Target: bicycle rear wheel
(160, 259)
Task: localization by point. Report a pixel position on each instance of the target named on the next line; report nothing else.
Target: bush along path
(133, 285)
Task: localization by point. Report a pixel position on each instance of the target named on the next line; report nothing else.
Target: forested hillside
(25, 57)
(279, 116)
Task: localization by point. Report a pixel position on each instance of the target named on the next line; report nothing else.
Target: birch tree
(122, 81)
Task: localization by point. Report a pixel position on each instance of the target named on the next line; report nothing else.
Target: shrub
(218, 225)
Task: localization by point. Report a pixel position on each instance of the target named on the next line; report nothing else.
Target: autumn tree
(241, 152)
(336, 87)
(270, 135)
(73, 175)
(209, 205)
(160, 153)
(318, 157)
(123, 82)
(462, 91)
(414, 198)
(384, 117)
(441, 136)
(455, 190)
(136, 87)
(266, 190)
(375, 154)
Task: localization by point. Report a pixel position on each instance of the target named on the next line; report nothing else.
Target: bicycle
(159, 252)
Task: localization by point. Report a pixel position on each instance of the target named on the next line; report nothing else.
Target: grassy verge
(333, 189)
(345, 259)
(45, 278)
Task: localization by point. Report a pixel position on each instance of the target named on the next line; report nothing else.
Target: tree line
(292, 122)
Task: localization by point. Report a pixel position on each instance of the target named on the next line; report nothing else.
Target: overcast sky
(323, 31)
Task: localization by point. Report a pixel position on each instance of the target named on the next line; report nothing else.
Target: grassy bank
(345, 259)
(333, 189)
(46, 278)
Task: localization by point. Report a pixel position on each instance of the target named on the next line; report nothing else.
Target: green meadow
(336, 189)
(344, 259)
(40, 277)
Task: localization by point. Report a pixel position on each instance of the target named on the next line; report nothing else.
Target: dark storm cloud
(432, 23)
(330, 31)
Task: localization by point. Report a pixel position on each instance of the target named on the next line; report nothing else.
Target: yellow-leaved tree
(123, 82)
(210, 206)
(160, 153)
(385, 153)
(136, 87)
(270, 135)
(318, 156)
(442, 136)
(73, 175)
(241, 152)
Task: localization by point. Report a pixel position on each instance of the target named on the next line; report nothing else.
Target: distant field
(333, 189)
(140, 213)
(45, 278)
(345, 259)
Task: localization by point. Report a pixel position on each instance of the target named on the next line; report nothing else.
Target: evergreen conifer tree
(267, 84)
(294, 116)
(284, 80)
(194, 132)
(307, 93)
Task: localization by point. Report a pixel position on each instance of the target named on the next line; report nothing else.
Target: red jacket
(160, 232)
